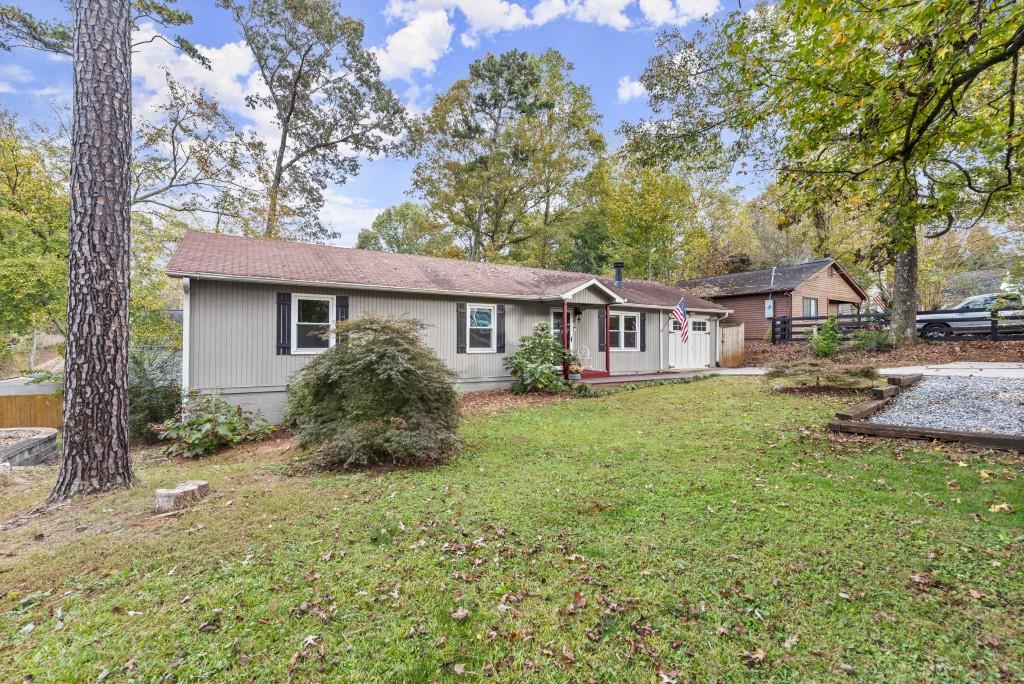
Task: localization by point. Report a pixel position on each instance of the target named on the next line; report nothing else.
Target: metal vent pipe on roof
(618, 273)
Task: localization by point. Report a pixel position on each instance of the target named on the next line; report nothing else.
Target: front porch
(580, 319)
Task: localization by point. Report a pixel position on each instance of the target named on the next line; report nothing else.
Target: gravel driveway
(969, 404)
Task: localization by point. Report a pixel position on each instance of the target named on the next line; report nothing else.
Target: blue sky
(422, 45)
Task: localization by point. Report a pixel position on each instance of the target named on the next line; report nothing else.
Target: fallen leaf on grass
(754, 658)
(922, 580)
(460, 614)
(977, 594)
(459, 668)
(1000, 508)
(790, 642)
(988, 640)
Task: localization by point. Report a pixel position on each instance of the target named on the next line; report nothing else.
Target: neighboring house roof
(784, 279)
(227, 257)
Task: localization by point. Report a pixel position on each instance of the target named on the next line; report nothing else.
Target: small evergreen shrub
(873, 339)
(154, 394)
(825, 340)
(206, 424)
(537, 364)
(378, 396)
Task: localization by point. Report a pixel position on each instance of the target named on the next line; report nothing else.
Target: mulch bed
(923, 353)
(496, 401)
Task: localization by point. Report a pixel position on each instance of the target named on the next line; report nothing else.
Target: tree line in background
(890, 132)
(511, 164)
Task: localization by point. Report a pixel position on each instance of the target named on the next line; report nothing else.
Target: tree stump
(167, 500)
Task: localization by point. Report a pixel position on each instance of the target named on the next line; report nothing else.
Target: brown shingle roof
(784, 279)
(231, 257)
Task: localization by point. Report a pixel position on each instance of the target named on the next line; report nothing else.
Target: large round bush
(377, 396)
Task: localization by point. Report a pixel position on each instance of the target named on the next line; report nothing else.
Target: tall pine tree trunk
(903, 306)
(95, 454)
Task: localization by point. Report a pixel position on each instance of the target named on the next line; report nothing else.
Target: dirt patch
(923, 353)
(497, 401)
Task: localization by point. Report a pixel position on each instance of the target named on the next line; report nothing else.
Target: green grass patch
(707, 531)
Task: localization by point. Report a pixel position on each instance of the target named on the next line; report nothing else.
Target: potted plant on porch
(575, 369)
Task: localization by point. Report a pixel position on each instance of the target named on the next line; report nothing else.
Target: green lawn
(705, 531)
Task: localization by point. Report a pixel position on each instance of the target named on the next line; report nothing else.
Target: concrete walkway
(981, 369)
(672, 375)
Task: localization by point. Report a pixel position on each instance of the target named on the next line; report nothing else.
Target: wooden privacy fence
(996, 328)
(732, 346)
(30, 410)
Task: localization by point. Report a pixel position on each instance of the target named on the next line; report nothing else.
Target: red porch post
(607, 339)
(565, 336)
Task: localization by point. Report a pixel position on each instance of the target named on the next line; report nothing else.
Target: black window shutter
(341, 310)
(499, 331)
(643, 332)
(602, 331)
(460, 328)
(284, 323)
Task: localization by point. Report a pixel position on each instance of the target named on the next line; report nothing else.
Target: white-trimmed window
(480, 327)
(624, 331)
(699, 326)
(810, 307)
(312, 323)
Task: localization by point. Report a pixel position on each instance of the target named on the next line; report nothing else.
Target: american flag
(684, 319)
(879, 304)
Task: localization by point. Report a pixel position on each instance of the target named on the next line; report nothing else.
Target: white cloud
(677, 12)
(347, 215)
(427, 25)
(232, 76)
(417, 46)
(6, 88)
(605, 12)
(53, 92)
(15, 72)
(630, 89)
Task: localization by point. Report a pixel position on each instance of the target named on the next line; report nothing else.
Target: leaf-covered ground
(696, 532)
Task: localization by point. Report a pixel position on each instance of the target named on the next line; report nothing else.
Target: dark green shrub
(537, 364)
(206, 424)
(873, 339)
(825, 340)
(379, 395)
(154, 394)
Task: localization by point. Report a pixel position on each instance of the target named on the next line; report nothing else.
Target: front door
(693, 354)
(556, 326)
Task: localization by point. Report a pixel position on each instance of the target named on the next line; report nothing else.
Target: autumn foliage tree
(503, 153)
(330, 105)
(907, 112)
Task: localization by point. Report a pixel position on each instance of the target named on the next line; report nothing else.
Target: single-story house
(256, 310)
(815, 288)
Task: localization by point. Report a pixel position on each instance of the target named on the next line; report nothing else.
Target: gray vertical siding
(232, 350)
(648, 361)
(590, 296)
(233, 329)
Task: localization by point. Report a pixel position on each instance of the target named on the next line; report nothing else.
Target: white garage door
(693, 354)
